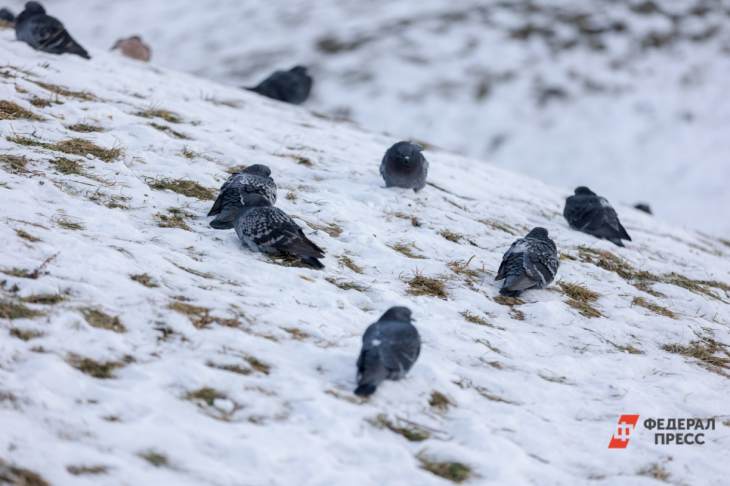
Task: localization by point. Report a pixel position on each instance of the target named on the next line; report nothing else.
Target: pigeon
(134, 48)
(292, 86)
(531, 262)
(643, 207)
(405, 166)
(45, 33)
(6, 16)
(262, 227)
(390, 346)
(253, 179)
(592, 214)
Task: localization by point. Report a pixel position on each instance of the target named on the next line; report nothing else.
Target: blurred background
(625, 96)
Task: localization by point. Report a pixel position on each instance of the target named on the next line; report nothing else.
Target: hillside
(140, 346)
(558, 90)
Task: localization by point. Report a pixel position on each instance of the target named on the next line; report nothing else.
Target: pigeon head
(397, 313)
(538, 233)
(34, 8)
(258, 169)
(406, 152)
(299, 70)
(6, 15)
(584, 191)
(254, 200)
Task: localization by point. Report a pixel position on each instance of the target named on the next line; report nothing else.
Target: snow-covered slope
(626, 96)
(140, 346)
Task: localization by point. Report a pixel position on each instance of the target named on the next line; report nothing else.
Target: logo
(626, 425)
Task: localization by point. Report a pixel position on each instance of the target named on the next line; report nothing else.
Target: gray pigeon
(531, 262)
(45, 33)
(262, 227)
(254, 179)
(292, 86)
(390, 346)
(6, 16)
(643, 207)
(405, 166)
(592, 214)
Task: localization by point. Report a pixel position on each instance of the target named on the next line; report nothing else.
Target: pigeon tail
(616, 241)
(365, 390)
(225, 218)
(312, 262)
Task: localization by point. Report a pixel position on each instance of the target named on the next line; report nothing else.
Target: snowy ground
(227, 368)
(626, 96)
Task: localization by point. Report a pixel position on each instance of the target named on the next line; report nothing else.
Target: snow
(596, 91)
(536, 393)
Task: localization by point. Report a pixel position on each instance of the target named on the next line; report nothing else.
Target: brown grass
(655, 308)
(580, 298)
(455, 472)
(430, 286)
(410, 431)
(185, 187)
(26, 236)
(73, 146)
(407, 250)
(169, 131)
(69, 224)
(16, 310)
(67, 166)
(710, 353)
(102, 370)
(25, 334)
(439, 401)
(508, 301)
(144, 279)
(166, 115)
(346, 261)
(13, 111)
(656, 471)
(85, 128)
(101, 320)
(63, 91)
(451, 236)
(346, 285)
(44, 299)
(205, 395)
(13, 475)
(15, 164)
(200, 317)
(155, 458)
(175, 218)
(474, 318)
(85, 470)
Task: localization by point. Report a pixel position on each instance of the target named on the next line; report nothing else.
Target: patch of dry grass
(201, 317)
(407, 249)
(15, 164)
(73, 146)
(169, 131)
(656, 471)
(86, 470)
(346, 261)
(451, 236)
(69, 224)
(439, 402)
(456, 472)
(16, 310)
(13, 111)
(14, 475)
(580, 298)
(102, 370)
(175, 218)
(332, 229)
(25, 334)
(474, 318)
(144, 279)
(166, 115)
(44, 299)
(101, 320)
(85, 128)
(155, 458)
(410, 431)
(26, 236)
(430, 286)
(63, 91)
(508, 301)
(346, 285)
(206, 395)
(68, 166)
(708, 352)
(186, 187)
(655, 308)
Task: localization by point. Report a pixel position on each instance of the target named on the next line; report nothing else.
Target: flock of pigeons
(246, 203)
